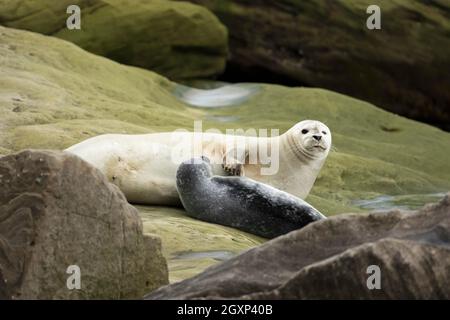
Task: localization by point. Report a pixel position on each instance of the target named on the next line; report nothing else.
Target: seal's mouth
(319, 147)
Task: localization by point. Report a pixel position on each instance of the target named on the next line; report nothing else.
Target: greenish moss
(181, 234)
(375, 152)
(54, 94)
(177, 39)
(62, 95)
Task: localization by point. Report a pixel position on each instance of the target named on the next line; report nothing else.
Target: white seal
(144, 166)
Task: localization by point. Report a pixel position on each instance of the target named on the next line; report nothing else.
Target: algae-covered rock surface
(191, 245)
(54, 94)
(403, 67)
(177, 39)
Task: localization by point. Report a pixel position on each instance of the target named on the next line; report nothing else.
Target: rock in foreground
(57, 211)
(329, 260)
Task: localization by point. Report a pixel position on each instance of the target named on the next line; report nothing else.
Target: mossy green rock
(403, 68)
(177, 39)
(191, 245)
(54, 94)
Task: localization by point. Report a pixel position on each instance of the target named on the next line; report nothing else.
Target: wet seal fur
(240, 202)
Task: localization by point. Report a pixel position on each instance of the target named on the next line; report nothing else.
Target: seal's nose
(317, 137)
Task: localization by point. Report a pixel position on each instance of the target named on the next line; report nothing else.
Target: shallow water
(220, 118)
(405, 202)
(224, 96)
(219, 255)
(189, 245)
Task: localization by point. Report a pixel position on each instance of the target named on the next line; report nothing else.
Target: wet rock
(190, 245)
(402, 68)
(57, 211)
(330, 259)
(177, 39)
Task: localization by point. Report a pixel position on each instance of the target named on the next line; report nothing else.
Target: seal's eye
(304, 131)
(324, 132)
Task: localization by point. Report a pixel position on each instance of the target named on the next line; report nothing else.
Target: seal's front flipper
(236, 169)
(233, 162)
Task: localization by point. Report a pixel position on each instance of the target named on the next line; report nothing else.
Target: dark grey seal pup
(240, 202)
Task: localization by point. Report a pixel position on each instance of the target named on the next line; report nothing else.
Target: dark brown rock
(4, 293)
(329, 260)
(403, 68)
(55, 211)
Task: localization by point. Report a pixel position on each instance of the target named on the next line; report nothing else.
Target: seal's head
(195, 169)
(194, 172)
(311, 138)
